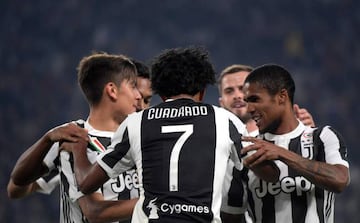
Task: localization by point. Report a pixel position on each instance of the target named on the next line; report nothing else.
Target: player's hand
(80, 145)
(69, 132)
(304, 116)
(263, 151)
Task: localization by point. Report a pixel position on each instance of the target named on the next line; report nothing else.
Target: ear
(283, 96)
(221, 102)
(111, 90)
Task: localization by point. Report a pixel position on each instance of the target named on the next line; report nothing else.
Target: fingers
(71, 146)
(255, 159)
(304, 116)
(68, 132)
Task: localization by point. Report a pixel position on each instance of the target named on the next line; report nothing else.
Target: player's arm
(96, 209)
(333, 177)
(267, 170)
(89, 176)
(30, 165)
(16, 191)
(330, 177)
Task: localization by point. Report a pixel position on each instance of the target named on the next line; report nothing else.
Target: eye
(228, 90)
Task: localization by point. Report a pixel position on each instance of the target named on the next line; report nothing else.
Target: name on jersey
(183, 111)
(286, 185)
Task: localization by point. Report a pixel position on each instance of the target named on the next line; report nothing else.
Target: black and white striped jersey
(234, 192)
(48, 183)
(124, 186)
(294, 199)
(51, 180)
(180, 148)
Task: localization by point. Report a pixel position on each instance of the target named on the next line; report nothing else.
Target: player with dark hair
(312, 161)
(180, 147)
(230, 83)
(143, 84)
(109, 85)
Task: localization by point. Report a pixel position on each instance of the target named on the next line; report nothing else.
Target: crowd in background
(43, 41)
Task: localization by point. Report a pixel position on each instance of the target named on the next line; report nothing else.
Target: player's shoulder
(229, 115)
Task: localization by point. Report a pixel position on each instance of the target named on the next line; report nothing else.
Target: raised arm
(30, 165)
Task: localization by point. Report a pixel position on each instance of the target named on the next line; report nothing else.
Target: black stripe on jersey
(64, 187)
(236, 190)
(342, 149)
(319, 196)
(318, 149)
(53, 173)
(299, 202)
(329, 201)
(234, 135)
(120, 150)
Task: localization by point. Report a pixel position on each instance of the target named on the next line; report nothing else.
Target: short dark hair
(181, 71)
(98, 69)
(273, 78)
(142, 69)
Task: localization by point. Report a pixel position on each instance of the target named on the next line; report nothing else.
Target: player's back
(181, 158)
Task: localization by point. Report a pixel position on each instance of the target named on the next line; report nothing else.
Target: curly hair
(181, 71)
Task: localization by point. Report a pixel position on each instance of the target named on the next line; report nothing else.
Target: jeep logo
(286, 185)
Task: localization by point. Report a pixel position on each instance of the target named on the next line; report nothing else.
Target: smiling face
(232, 95)
(265, 109)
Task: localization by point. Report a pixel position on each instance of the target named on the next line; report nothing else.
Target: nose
(137, 94)
(250, 108)
(239, 94)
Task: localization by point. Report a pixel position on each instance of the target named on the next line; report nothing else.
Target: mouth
(239, 104)
(257, 119)
(137, 108)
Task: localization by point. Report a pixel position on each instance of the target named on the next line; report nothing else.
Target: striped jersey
(294, 199)
(123, 187)
(234, 192)
(180, 148)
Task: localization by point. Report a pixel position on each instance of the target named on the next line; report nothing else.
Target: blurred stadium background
(41, 43)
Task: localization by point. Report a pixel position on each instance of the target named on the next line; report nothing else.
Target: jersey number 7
(187, 130)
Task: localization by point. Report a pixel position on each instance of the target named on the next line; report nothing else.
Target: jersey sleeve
(52, 157)
(117, 159)
(49, 182)
(334, 146)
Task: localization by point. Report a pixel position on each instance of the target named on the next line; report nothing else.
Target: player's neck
(198, 97)
(103, 120)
